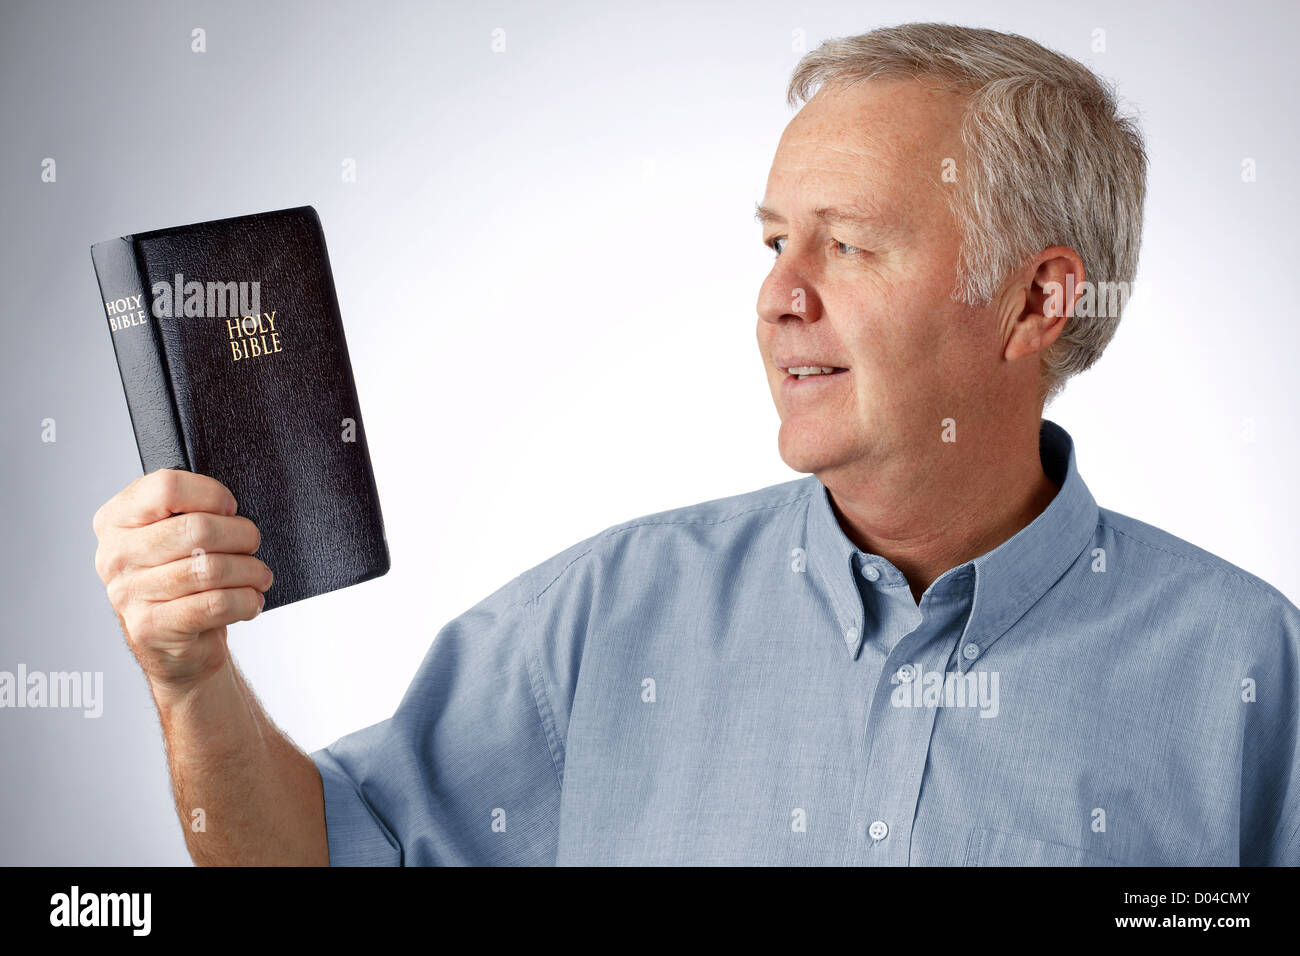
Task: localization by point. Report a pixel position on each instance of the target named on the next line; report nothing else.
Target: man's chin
(809, 449)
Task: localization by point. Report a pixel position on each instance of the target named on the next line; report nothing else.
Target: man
(935, 649)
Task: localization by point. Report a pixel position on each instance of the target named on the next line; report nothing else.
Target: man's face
(871, 295)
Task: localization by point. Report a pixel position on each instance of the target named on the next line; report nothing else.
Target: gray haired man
(934, 649)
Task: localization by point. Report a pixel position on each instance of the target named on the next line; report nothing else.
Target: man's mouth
(802, 372)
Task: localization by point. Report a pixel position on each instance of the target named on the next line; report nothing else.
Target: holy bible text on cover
(231, 350)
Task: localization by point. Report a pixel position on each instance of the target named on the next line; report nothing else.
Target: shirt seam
(1290, 842)
(986, 831)
(635, 523)
(620, 529)
(536, 597)
(541, 698)
(1219, 569)
(336, 770)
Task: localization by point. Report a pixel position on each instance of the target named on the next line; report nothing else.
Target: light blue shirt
(735, 682)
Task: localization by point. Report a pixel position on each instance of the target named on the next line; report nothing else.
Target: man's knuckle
(190, 616)
(109, 563)
(251, 530)
(118, 590)
(166, 486)
(216, 604)
(202, 573)
(198, 529)
(136, 618)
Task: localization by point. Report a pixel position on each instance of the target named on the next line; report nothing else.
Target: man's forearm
(244, 792)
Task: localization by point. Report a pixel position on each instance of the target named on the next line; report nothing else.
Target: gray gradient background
(548, 270)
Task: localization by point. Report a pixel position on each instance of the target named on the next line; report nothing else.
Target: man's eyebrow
(831, 214)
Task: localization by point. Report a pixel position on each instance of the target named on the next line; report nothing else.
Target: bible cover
(230, 346)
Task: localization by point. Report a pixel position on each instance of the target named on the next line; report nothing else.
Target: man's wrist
(212, 709)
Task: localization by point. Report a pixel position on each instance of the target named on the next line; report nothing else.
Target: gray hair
(1052, 161)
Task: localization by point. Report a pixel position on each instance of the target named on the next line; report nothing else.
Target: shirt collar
(1007, 581)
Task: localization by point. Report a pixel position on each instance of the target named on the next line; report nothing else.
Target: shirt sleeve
(1271, 764)
(468, 769)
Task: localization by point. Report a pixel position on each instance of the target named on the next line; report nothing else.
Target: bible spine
(137, 343)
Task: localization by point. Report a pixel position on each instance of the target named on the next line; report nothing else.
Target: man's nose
(788, 293)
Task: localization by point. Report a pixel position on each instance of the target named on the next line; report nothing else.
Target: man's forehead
(877, 121)
(880, 143)
(835, 185)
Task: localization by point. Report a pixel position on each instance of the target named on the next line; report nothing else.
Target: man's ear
(1035, 315)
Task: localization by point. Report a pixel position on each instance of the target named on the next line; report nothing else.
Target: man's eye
(778, 242)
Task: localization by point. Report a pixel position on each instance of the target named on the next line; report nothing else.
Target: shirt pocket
(996, 848)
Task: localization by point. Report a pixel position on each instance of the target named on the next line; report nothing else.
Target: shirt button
(970, 651)
(870, 573)
(851, 634)
(906, 673)
(878, 830)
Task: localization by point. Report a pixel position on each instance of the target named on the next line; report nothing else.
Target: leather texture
(273, 427)
(139, 359)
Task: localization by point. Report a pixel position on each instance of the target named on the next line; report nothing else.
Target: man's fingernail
(231, 505)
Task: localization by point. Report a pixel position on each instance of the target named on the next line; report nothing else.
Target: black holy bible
(231, 350)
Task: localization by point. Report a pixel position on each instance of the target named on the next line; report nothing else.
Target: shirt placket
(903, 647)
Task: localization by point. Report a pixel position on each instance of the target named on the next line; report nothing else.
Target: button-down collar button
(970, 651)
(851, 634)
(878, 830)
(871, 573)
(906, 673)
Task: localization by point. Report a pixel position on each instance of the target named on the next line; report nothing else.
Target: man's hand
(178, 566)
